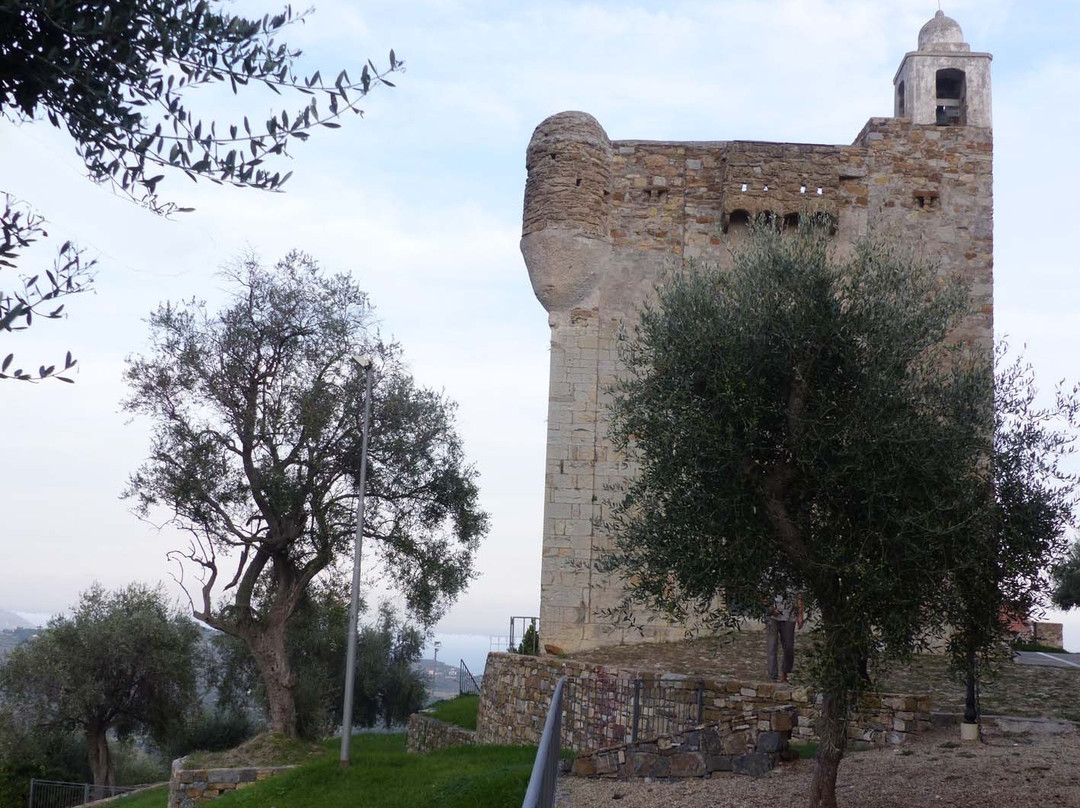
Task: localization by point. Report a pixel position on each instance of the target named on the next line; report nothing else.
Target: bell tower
(944, 82)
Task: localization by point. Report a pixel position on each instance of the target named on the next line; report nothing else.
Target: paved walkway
(1048, 660)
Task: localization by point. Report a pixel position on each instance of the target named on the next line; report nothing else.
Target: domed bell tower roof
(942, 33)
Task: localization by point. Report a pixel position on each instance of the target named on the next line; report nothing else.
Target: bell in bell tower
(944, 82)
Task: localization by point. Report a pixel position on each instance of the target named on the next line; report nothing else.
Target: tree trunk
(971, 711)
(98, 756)
(831, 730)
(268, 648)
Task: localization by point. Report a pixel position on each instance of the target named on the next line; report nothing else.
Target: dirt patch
(1005, 771)
(1024, 690)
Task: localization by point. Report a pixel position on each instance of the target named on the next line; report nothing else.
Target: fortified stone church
(604, 218)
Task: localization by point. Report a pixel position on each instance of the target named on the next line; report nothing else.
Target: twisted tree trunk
(831, 730)
(98, 756)
(268, 649)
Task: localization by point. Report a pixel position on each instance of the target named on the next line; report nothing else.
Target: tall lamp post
(368, 364)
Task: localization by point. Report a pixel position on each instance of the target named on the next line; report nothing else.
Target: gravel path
(1005, 771)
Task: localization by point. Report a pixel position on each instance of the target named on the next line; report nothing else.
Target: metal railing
(607, 712)
(56, 794)
(466, 683)
(545, 773)
(519, 628)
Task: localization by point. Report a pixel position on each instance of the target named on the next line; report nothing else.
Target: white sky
(421, 200)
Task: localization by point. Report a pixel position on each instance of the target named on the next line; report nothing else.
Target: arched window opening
(951, 97)
(900, 106)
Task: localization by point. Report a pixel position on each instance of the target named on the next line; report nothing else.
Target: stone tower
(603, 218)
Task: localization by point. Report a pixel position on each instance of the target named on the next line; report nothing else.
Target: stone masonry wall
(604, 220)
(1047, 634)
(516, 694)
(743, 747)
(191, 787)
(426, 733)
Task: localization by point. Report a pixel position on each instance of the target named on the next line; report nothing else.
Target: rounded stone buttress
(566, 224)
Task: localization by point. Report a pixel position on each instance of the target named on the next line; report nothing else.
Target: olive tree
(805, 424)
(1005, 568)
(1067, 580)
(121, 662)
(255, 414)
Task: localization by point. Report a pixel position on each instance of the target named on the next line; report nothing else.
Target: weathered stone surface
(687, 764)
(712, 741)
(644, 764)
(735, 743)
(607, 763)
(426, 733)
(770, 742)
(585, 766)
(782, 720)
(718, 763)
(192, 787)
(754, 764)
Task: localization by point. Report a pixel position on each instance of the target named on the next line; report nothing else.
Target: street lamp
(367, 363)
(435, 667)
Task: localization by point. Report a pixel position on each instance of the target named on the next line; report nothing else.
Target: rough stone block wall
(598, 705)
(426, 733)
(603, 221)
(744, 747)
(191, 787)
(1047, 634)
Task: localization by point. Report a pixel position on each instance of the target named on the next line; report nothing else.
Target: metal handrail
(463, 671)
(545, 773)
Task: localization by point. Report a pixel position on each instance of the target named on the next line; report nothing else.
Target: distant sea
(472, 648)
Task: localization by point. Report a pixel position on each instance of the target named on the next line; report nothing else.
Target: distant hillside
(441, 683)
(9, 621)
(9, 639)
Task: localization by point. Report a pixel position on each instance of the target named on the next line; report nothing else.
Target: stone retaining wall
(427, 733)
(1047, 633)
(599, 701)
(191, 787)
(744, 747)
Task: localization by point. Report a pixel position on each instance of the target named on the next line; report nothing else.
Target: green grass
(383, 775)
(460, 711)
(806, 749)
(152, 798)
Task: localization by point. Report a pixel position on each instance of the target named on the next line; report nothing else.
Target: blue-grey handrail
(545, 773)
